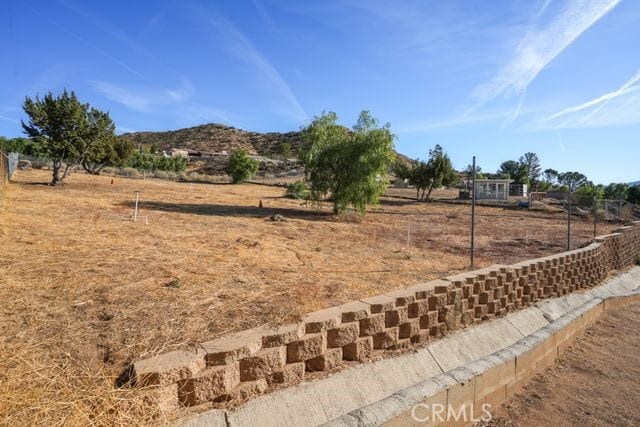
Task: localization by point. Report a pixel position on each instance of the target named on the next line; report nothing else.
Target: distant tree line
(70, 133)
(527, 170)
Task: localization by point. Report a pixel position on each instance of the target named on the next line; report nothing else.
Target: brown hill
(216, 138)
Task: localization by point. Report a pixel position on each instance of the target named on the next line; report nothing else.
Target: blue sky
(487, 78)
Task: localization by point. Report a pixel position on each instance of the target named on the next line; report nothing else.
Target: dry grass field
(85, 290)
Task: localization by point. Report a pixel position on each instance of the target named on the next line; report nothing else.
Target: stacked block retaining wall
(249, 362)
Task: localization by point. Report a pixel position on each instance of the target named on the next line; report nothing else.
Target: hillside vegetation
(215, 138)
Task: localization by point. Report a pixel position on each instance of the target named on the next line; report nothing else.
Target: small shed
(492, 189)
(518, 190)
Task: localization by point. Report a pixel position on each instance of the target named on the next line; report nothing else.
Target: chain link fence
(8, 164)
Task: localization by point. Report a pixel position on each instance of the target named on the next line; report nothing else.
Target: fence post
(135, 214)
(473, 211)
(569, 223)
(595, 215)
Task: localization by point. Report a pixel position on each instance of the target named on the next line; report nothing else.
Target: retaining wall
(249, 362)
(486, 382)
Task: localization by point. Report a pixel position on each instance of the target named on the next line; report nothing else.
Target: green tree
(616, 191)
(589, 190)
(550, 179)
(633, 195)
(420, 178)
(145, 161)
(437, 172)
(62, 127)
(530, 163)
(572, 180)
(513, 170)
(106, 149)
(348, 166)
(401, 169)
(20, 145)
(285, 150)
(468, 172)
(297, 190)
(241, 167)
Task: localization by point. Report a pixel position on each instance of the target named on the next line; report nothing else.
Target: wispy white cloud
(88, 44)
(263, 12)
(9, 119)
(243, 49)
(145, 100)
(543, 42)
(613, 108)
(122, 129)
(100, 23)
(461, 120)
(544, 7)
(177, 101)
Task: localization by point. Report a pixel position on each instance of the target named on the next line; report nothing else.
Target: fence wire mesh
(8, 164)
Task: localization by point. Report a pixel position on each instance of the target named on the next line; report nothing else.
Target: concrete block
(409, 328)
(263, 363)
(312, 345)
(403, 297)
(396, 316)
(418, 308)
(246, 390)
(385, 339)
(360, 350)
(209, 384)
(168, 368)
(372, 325)
(290, 373)
(329, 360)
(343, 334)
(380, 303)
(354, 311)
(282, 335)
(322, 320)
(231, 348)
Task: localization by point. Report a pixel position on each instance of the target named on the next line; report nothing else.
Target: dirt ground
(595, 383)
(85, 290)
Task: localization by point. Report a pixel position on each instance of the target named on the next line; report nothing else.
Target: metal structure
(491, 189)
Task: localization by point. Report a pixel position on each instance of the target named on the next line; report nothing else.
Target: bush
(165, 175)
(297, 190)
(285, 149)
(151, 162)
(241, 167)
(130, 172)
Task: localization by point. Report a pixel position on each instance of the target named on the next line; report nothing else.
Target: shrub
(285, 149)
(131, 172)
(241, 167)
(297, 190)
